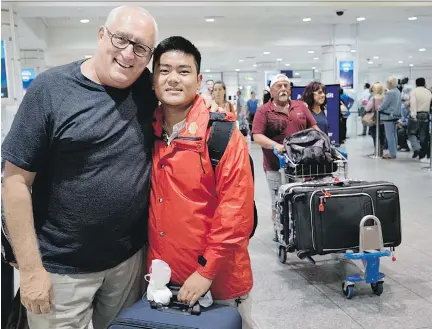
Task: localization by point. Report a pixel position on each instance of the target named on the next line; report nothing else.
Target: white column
(13, 70)
(231, 82)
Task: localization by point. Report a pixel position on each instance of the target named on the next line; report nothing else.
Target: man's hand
(279, 147)
(194, 287)
(36, 291)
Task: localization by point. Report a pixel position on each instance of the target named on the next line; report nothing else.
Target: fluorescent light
(307, 19)
(370, 62)
(361, 19)
(84, 21)
(210, 20)
(316, 58)
(237, 70)
(400, 62)
(310, 51)
(241, 60)
(266, 53)
(254, 65)
(412, 18)
(422, 49)
(353, 50)
(314, 68)
(207, 70)
(88, 56)
(376, 57)
(411, 65)
(287, 64)
(279, 59)
(296, 74)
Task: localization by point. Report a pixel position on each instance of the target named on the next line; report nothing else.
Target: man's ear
(199, 81)
(101, 33)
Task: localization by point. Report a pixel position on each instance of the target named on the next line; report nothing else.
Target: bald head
(124, 12)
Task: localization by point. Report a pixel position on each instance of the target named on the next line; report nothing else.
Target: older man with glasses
(77, 177)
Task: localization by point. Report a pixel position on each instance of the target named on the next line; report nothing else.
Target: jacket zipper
(202, 166)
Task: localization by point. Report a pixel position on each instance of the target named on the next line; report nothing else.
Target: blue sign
(27, 75)
(4, 86)
(332, 106)
(288, 73)
(346, 74)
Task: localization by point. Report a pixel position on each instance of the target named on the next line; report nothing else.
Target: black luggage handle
(175, 306)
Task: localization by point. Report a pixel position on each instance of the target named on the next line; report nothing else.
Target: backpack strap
(221, 129)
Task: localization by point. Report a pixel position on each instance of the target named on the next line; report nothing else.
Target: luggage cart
(300, 173)
(370, 251)
(291, 172)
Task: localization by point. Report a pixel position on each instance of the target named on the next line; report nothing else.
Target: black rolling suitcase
(324, 218)
(149, 315)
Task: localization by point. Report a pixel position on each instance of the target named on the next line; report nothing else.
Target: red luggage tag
(321, 205)
(393, 256)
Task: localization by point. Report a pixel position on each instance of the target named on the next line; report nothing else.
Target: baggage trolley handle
(370, 236)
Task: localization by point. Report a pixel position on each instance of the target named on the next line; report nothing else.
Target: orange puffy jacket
(195, 211)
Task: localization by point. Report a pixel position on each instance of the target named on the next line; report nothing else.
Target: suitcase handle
(175, 306)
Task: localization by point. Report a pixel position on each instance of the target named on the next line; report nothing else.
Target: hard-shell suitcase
(324, 218)
(141, 315)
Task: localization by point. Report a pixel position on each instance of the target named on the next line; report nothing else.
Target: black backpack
(220, 134)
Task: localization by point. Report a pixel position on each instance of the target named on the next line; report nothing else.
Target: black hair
(177, 43)
(421, 82)
(266, 96)
(308, 95)
(341, 91)
(367, 85)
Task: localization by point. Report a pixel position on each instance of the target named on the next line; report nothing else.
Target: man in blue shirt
(346, 103)
(251, 108)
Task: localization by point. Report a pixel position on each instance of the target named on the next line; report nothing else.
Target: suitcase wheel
(291, 248)
(282, 254)
(348, 291)
(378, 288)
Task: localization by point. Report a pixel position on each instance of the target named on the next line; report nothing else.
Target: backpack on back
(220, 135)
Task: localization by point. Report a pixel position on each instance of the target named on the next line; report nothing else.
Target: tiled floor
(298, 295)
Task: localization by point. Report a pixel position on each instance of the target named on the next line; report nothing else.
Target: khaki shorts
(93, 300)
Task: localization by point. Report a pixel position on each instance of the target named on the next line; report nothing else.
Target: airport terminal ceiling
(243, 36)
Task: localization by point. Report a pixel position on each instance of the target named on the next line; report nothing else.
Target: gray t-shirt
(90, 146)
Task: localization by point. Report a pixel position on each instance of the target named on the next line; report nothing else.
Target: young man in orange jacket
(200, 218)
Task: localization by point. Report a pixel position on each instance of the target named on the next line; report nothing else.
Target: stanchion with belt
(377, 138)
(429, 168)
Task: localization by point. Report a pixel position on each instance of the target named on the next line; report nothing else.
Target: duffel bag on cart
(325, 219)
(310, 153)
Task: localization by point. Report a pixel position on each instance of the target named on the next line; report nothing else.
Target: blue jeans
(391, 136)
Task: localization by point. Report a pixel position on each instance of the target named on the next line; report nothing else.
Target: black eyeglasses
(122, 42)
